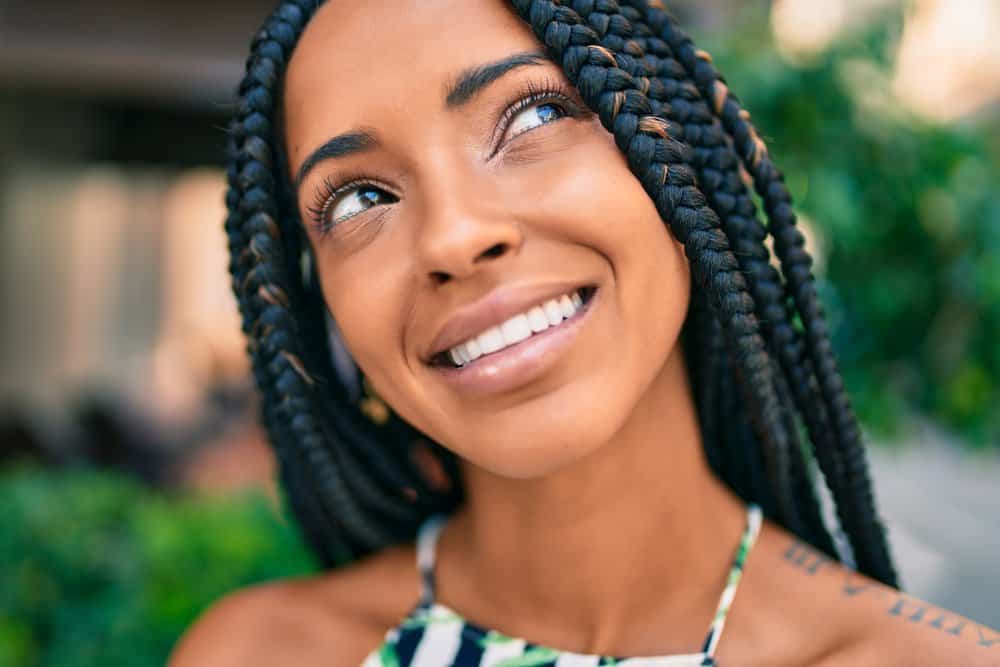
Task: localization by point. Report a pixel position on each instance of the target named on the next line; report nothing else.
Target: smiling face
(450, 180)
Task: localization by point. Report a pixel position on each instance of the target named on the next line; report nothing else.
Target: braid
(661, 163)
(716, 166)
(328, 457)
(353, 486)
(842, 458)
(721, 178)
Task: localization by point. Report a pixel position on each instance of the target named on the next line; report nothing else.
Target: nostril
(439, 277)
(496, 250)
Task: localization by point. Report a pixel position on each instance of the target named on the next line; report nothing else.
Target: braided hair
(771, 403)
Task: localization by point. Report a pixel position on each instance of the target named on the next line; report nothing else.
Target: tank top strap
(750, 533)
(427, 537)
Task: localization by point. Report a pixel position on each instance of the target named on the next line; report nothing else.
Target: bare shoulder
(844, 618)
(331, 619)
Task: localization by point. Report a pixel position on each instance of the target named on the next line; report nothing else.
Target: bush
(101, 571)
(910, 213)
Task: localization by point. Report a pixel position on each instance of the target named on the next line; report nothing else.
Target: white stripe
(690, 660)
(494, 653)
(427, 541)
(439, 644)
(373, 660)
(755, 521)
(727, 599)
(729, 594)
(577, 660)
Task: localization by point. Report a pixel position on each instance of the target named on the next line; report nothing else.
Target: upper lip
(493, 309)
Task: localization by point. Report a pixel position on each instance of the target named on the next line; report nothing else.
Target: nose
(463, 230)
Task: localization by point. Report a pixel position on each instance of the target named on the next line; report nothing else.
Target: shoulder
(332, 619)
(833, 616)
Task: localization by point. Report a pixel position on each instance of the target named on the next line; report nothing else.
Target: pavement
(941, 506)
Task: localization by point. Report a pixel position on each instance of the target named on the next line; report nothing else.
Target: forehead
(357, 55)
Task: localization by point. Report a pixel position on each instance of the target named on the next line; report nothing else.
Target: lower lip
(520, 363)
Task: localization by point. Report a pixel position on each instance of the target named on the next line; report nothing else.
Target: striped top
(434, 635)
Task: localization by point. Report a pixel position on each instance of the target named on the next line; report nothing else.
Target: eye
(357, 200)
(537, 103)
(335, 204)
(534, 115)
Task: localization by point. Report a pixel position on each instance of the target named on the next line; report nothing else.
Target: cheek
(369, 306)
(608, 210)
(367, 316)
(650, 272)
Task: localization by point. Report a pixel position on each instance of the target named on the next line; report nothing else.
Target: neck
(639, 529)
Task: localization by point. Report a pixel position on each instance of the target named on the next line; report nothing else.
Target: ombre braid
(723, 180)
(832, 421)
(355, 486)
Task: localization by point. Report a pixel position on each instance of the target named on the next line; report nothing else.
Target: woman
(528, 228)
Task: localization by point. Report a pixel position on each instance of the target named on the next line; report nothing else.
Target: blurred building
(111, 251)
(112, 256)
(948, 59)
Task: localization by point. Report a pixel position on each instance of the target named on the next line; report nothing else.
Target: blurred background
(135, 486)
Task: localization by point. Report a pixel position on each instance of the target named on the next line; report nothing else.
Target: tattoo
(854, 584)
(808, 560)
(983, 640)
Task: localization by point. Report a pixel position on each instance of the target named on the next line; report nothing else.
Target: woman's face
(465, 207)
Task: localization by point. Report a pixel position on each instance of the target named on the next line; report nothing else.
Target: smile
(518, 350)
(549, 314)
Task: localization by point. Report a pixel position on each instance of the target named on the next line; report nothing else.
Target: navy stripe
(708, 640)
(407, 644)
(470, 653)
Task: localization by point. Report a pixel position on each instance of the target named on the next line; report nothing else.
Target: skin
(604, 443)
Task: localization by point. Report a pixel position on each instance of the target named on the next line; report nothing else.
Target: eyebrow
(469, 83)
(474, 79)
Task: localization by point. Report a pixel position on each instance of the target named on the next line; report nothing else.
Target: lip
(494, 309)
(522, 362)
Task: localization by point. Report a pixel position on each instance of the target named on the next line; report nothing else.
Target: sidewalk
(941, 505)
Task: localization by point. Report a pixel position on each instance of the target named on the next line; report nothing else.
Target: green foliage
(100, 571)
(909, 213)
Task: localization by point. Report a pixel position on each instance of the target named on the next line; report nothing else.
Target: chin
(526, 453)
(529, 461)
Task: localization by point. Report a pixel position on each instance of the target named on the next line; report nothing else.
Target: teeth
(538, 320)
(491, 340)
(517, 328)
(567, 306)
(553, 312)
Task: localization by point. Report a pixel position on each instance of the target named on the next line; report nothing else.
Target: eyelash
(329, 191)
(529, 94)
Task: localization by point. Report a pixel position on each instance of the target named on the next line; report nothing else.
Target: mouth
(544, 317)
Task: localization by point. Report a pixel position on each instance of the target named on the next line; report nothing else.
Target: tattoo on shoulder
(808, 560)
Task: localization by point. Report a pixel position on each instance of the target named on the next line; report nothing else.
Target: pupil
(546, 117)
